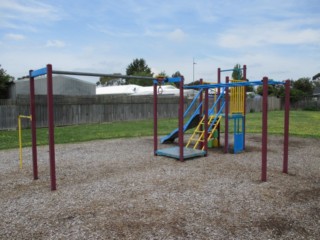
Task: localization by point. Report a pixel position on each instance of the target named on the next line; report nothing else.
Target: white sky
(275, 38)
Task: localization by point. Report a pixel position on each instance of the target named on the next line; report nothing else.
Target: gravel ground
(116, 189)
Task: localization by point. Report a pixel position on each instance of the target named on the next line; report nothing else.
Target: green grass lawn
(302, 123)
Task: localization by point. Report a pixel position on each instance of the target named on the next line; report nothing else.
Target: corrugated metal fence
(97, 109)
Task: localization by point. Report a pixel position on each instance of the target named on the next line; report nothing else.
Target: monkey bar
(49, 72)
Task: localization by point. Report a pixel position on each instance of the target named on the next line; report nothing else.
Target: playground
(120, 189)
(111, 189)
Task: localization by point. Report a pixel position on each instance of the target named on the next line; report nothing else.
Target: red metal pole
(51, 128)
(155, 118)
(33, 127)
(286, 127)
(264, 130)
(181, 110)
(245, 106)
(226, 118)
(206, 109)
(219, 103)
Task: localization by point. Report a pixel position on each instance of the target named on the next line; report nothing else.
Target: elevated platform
(187, 152)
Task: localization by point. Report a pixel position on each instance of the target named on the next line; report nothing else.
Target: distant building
(62, 85)
(140, 90)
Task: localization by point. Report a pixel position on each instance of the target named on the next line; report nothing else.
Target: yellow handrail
(20, 136)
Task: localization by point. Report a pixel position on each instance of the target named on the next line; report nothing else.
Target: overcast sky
(275, 38)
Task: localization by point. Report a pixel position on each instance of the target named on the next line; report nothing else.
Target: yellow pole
(20, 137)
(20, 141)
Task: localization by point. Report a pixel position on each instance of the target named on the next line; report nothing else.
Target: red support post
(264, 130)
(245, 106)
(226, 118)
(51, 127)
(219, 103)
(155, 119)
(286, 127)
(181, 110)
(33, 127)
(206, 110)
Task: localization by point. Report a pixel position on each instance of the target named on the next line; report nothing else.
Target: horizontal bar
(238, 84)
(23, 116)
(174, 79)
(229, 70)
(39, 72)
(101, 75)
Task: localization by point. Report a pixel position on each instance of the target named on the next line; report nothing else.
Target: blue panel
(39, 72)
(238, 142)
(238, 135)
(174, 152)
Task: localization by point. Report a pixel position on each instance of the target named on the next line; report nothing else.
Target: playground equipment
(216, 112)
(20, 136)
(206, 125)
(231, 95)
(48, 71)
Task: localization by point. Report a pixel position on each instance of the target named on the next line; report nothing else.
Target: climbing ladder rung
(201, 132)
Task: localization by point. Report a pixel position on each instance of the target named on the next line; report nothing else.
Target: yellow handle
(20, 137)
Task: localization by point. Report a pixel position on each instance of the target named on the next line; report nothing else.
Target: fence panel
(97, 109)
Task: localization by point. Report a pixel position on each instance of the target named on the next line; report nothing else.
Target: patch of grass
(302, 123)
(88, 132)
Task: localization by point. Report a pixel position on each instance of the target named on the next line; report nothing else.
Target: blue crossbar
(39, 72)
(167, 80)
(234, 84)
(229, 70)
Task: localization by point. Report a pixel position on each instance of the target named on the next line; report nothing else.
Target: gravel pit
(117, 189)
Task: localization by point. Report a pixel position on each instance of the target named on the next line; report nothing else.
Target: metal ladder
(198, 135)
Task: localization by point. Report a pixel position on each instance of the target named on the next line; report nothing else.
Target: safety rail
(237, 98)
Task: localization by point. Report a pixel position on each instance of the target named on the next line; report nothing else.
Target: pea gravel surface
(117, 189)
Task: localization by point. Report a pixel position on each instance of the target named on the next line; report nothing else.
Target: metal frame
(49, 72)
(265, 82)
(264, 141)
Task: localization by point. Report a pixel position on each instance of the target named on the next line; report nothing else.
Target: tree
(249, 89)
(111, 81)
(316, 77)
(316, 80)
(299, 89)
(304, 85)
(5, 81)
(177, 74)
(237, 72)
(195, 83)
(271, 90)
(138, 67)
(162, 74)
